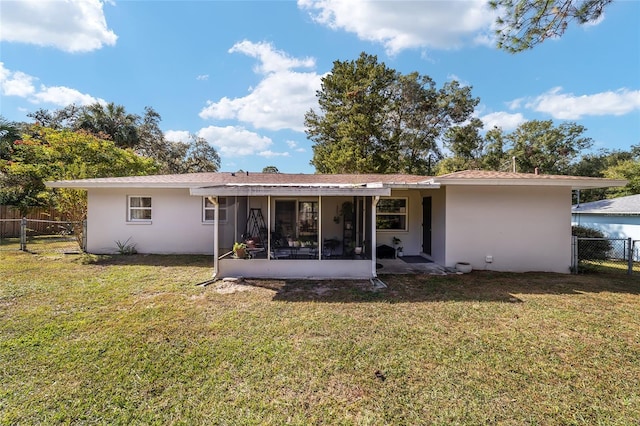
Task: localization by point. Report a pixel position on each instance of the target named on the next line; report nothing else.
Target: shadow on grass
(477, 286)
(150, 260)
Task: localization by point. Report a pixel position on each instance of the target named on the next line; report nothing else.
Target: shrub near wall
(591, 249)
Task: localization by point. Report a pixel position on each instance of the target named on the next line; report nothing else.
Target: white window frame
(222, 209)
(404, 213)
(131, 208)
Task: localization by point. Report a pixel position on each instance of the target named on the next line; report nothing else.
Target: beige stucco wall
(176, 225)
(523, 228)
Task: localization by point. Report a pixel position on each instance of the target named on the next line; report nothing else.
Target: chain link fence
(42, 236)
(605, 255)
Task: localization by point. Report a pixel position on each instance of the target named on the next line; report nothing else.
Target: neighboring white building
(616, 218)
(495, 221)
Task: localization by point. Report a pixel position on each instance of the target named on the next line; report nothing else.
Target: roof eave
(279, 191)
(79, 184)
(573, 183)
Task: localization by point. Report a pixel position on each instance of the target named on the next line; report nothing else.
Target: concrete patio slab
(398, 266)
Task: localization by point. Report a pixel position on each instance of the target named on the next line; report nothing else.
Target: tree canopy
(535, 145)
(373, 119)
(142, 134)
(270, 169)
(523, 24)
(49, 154)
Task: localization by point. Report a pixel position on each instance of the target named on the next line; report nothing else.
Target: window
(391, 214)
(208, 209)
(139, 209)
(308, 218)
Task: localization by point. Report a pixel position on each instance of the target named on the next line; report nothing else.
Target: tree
(629, 170)
(112, 120)
(200, 157)
(467, 146)
(496, 157)
(347, 135)
(523, 24)
(57, 155)
(9, 133)
(131, 131)
(595, 165)
(270, 169)
(534, 144)
(539, 144)
(64, 118)
(373, 119)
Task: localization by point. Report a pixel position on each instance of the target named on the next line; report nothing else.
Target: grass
(131, 339)
(609, 265)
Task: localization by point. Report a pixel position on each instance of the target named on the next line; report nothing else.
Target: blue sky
(242, 74)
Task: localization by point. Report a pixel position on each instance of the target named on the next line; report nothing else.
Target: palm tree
(9, 133)
(111, 120)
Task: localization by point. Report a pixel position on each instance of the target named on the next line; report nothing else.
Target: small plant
(126, 247)
(240, 250)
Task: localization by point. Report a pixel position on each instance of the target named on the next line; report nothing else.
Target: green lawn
(131, 339)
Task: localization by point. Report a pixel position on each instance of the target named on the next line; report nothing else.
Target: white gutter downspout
(216, 249)
(375, 281)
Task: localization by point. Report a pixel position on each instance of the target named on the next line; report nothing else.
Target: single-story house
(616, 218)
(335, 225)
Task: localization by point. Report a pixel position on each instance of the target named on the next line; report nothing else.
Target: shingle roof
(468, 177)
(487, 174)
(622, 205)
(212, 179)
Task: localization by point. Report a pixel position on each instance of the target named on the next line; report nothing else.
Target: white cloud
(17, 83)
(454, 77)
(516, 103)
(504, 120)
(203, 77)
(63, 96)
(235, 141)
(71, 25)
(271, 60)
(294, 145)
(177, 135)
(271, 154)
(281, 98)
(407, 24)
(567, 106)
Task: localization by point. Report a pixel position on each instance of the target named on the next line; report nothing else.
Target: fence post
(574, 254)
(23, 234)
(630, 256)
(84, 236)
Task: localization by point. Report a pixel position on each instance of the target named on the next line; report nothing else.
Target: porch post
(374, 243)
(216, 248)
(320, 227)
(268, 227)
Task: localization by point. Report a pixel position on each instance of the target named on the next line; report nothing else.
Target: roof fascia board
(139, 185)
(279, 191)
(573, 183)
(600, 213)
(419, 185)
